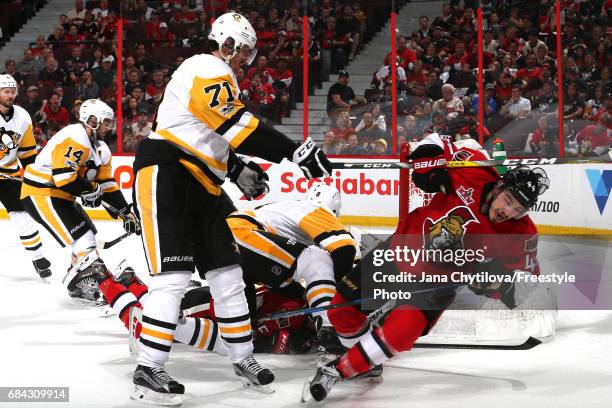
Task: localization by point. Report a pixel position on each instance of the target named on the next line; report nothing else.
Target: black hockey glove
(430, 173)
(131, 224)
(503, 291)
(93, 197)
(312, 160)
(248, 176)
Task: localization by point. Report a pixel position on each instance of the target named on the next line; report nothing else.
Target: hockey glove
(500, 290)
(312, 160)
(92, 198)
(131, 225)
(248, 176)
(432, 174)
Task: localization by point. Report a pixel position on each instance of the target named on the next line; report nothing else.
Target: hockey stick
(100, 244)
(543, 161)
(310, 310)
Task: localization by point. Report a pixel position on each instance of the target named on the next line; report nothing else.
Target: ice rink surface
(47, 340)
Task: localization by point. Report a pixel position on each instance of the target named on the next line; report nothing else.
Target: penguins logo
(448, 231)
(8, 141)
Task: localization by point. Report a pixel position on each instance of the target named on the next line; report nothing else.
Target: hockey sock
(28, 233)
(231, 311)
(398, 333)
(202, 334)
(316, 267)
(350, 323)
(160, 316)
(120, 299)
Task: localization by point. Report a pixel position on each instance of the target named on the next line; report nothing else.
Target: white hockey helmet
(97, 109)
(7, 81)
(322, 195)
(235, 33)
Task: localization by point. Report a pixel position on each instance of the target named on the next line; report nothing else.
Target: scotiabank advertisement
(578, 196)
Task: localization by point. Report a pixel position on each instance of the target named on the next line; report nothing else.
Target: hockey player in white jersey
(17, 150)
(298, 240)
(76, 163)
(179, 168)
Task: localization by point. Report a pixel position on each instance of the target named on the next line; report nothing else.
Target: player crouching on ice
(76, 163)
(468, 203)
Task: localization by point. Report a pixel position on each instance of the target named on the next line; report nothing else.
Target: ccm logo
(430, 163)
(376, 166)
(178, 259)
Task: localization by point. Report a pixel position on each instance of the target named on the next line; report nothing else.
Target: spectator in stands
(73, 38)
(547, 101)
(533, 43)
(470, 131)
(336, 44)
(537, 138)
(138, 94)
(130, 110)
(410, 130)
(352, 146)
(489, 103)
(596, 104)
(56, 37)
(340, 95)
(89, 28)
(164, 38)
(423, 27)
(573, 104)
(449, 105)
(369, 128)
(40, 45)
(77, 15)
(33, 103)
(517, 106)
(142, 61)
(142, 127)
(343, 127)
(261, 68)
(133, 80)
(431, 59)
(406, 54)
(51, 75)
(503, 91)
(104, 74)
(102, 9)
(155, 89)
(331, 145)
(433, 87)
(11, 69)
(262, 94)
(28, 64)
(531, 74)
(74, 112)
(64, 102)
(87, 87)
(595, 140)
(380, 148)
(55, 113)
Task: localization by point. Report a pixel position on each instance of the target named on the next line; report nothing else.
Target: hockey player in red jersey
(469, 205)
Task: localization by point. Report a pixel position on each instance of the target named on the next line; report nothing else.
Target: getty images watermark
(34, 394)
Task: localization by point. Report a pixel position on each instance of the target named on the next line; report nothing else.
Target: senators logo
(9, 140)
(447, 232)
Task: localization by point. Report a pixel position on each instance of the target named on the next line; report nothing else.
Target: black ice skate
(319, 385)
(155, 387)
(43, 267)
(83, 284)
(254, 376)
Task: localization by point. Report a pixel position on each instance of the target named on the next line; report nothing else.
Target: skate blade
(264, 389)
(306, 395)
(150, 397)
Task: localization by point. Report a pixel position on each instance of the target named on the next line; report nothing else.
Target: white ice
(46, 340)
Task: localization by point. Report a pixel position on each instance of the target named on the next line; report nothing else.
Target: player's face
(505, 207)
(7, 97)
(105, 127)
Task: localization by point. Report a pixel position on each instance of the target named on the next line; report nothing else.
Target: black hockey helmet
(525, 184)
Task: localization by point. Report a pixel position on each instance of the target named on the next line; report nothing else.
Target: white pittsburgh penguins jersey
(68, 155)
(303, 222)
(201, 114)
(16, 141)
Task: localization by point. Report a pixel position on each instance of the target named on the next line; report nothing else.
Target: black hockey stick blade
(109, 244)
(530, 343)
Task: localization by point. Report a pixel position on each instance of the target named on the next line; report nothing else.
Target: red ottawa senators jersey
(455, 221)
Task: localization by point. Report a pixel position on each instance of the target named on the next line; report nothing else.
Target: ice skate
(254, 376)
(153, 386)
(43, 267)
(319, 385)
